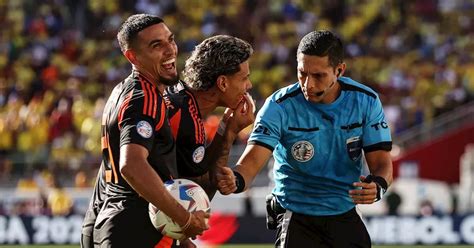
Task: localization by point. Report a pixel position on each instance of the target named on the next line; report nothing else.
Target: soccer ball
(190, 195)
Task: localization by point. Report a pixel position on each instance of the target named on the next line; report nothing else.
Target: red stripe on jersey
(123, 108)
(145, 96)
(175, 120)
(112, 163)
(152, 103)
(155, 101)
(194, 111)
(165, 242)
(162, 115)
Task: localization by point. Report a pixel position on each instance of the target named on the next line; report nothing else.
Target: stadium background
(59, 60)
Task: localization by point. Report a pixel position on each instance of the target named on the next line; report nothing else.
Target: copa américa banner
(404, 230)
(410, 230)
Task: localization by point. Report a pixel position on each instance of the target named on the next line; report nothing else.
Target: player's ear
(221, 83)
(131, 56)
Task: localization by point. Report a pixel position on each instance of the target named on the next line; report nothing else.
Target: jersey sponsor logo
(302, 151)
(198, 154)
(261, 129)
(144, 129)
(377, 126)
(354, 148)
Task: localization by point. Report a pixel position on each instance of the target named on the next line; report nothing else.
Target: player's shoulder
(140, 86)
(285, 93)
(175, 95)
(349, 84)
(177, 89)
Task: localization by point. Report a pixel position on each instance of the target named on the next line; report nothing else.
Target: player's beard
(169, 81)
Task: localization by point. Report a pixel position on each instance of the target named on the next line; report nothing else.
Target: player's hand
(242, 116)
(226, 180)
(366, 192)
(198, 224)
(187, 243)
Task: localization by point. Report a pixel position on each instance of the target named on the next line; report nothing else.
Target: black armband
(240, 182)
(381, 183)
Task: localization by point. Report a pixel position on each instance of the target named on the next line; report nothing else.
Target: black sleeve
(141, 116)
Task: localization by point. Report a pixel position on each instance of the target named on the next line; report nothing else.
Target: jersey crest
(144, 129)
(302, 151)
(198, 154)
(354, 148)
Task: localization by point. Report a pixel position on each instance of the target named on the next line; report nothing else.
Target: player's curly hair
(215, 56)
(132, 26)
(323, 43)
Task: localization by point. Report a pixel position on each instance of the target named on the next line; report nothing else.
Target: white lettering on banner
(57, 230)
(391, 230)
(450, 236)
(3, 224)
(40, 226)
(467, 229)
(407, 225)
(16, 232)
(76, 226)
(426, 230)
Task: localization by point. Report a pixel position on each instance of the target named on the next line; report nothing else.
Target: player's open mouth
(169, 64)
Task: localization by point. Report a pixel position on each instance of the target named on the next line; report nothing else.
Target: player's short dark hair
(215, 56)
(132, 26)
(323, 43)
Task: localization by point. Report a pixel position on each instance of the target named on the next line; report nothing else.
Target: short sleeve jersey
(135, 113)
(318, 147)
(188, 130)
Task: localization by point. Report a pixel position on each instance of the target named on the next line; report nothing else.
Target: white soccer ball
(190, 195)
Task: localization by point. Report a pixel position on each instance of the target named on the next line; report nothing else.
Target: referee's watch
(381, 183)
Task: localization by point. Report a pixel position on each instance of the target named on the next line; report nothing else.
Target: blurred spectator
(427, 208)
(59, 201)
(394, 201)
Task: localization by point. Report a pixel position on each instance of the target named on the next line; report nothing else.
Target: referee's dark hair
(132, 26)
(215, 56)
(323, 43)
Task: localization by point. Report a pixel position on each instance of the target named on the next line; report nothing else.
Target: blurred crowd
(59, 60)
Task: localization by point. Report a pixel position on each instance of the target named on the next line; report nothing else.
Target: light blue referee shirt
(318, 147)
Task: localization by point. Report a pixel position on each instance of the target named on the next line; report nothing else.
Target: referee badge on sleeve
(302, 151)
(144, 129)
(354, 148)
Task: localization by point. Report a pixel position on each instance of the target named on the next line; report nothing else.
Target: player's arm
(380, 164)
(217, 153)
(262, 141)
(374, 186)
(377, 146)
(138, 122)
(250, 163)
(139, 174)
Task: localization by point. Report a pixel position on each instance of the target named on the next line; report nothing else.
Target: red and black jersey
(188, 130)
(135, 113)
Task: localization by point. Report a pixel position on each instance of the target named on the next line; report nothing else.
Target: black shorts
(299, 230)
(126, 223)
(88, 228)
(86, 241)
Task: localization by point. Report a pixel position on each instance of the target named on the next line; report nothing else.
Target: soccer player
(188, 107)
(317, 129)
(216, 74)
(137, 143)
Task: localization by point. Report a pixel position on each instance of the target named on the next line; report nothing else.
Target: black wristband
(381, 183)
(240, 182)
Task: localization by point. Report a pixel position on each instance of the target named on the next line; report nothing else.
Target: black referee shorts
(126, 223)
(299, 230)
